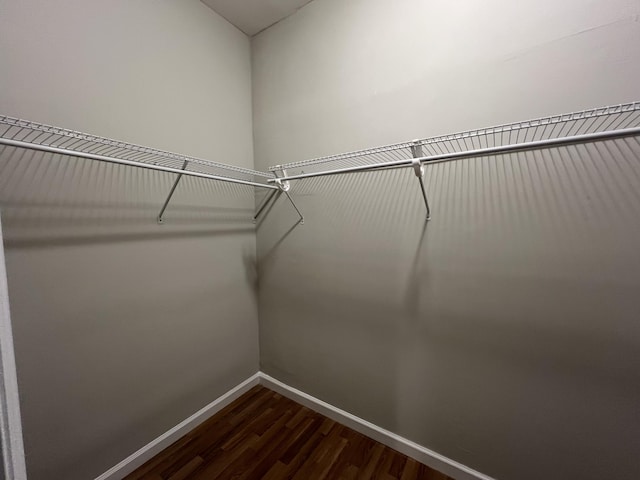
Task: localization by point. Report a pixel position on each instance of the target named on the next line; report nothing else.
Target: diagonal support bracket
(418, 169)
(266, 202)
(173, 189)
(285, 186)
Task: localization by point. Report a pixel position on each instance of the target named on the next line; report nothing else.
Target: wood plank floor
(265, 435)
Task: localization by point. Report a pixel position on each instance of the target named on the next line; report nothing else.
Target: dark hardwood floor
(265, 435)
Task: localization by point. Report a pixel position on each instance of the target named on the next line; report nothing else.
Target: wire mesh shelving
(19, 133)
(591, 125)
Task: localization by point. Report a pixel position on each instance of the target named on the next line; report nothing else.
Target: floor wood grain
(263, 435)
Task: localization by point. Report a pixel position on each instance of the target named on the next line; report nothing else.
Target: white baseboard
(150, 450)
(411, 449)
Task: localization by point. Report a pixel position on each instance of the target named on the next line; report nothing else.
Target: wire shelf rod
(589, 121)
(42, 135)
(131, 163)
(479, 152)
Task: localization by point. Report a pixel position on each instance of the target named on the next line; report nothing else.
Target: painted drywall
(124, 328)
(253, 16)
(503, 333)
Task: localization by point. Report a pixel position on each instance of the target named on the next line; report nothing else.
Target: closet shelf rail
(591, 125)
(46, 138)
(19, 133)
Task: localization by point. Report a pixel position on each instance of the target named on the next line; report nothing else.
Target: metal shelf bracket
(418, 169)
(285, 186)
(266, 202)
(173, 189)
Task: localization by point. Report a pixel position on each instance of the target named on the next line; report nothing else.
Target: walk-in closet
(319, 239)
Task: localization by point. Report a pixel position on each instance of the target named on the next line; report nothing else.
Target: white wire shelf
(37, 136)
(592, 125)
(583, 126)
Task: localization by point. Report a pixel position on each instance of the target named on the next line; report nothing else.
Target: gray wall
(505, 333)
(124, 328)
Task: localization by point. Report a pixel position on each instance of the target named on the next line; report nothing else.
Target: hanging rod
(121, 161)
(593, 120)
(445, 157)
(19, 133)
(37, 136)
(585, 126)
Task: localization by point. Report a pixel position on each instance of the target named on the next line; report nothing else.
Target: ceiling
(253, 16)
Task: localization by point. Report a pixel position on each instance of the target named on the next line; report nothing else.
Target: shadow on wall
(117, 319)
(512, 313)
(49, 199)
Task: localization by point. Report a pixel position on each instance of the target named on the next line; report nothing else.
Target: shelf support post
(418, 169)
(266, 202)
(173, 189)
(285, 186)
